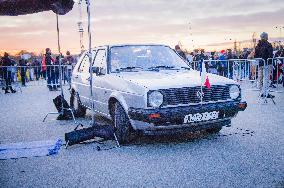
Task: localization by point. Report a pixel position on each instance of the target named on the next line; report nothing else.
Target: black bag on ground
(81, 135)
(58, 104)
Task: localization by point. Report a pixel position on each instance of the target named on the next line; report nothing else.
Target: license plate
(206, 116)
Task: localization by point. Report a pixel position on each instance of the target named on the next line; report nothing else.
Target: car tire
(214, 130)
(75, 103)
(124, 132)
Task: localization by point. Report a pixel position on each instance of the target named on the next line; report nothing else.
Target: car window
(145, 57)
(85, 64)
(100, 59)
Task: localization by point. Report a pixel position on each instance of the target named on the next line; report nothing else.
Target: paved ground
(249, 154)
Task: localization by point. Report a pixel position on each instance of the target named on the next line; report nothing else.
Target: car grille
(186, 95)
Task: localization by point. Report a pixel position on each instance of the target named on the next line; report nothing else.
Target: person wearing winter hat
(264, 50)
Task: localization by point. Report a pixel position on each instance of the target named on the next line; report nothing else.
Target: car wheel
(214, 130)
(124, 132)
(75, 103)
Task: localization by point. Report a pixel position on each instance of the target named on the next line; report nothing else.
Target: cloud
(243, 21)
(159, 21)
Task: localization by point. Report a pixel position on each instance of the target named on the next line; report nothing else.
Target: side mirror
(99, 71)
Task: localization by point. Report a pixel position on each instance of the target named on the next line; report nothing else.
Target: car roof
(121, 45)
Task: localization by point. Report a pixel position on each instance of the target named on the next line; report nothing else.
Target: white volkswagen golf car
(151, 89)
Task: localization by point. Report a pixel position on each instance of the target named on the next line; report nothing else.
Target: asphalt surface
(248, 154)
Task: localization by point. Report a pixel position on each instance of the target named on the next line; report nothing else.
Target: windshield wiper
(127, 69)
(161, 67)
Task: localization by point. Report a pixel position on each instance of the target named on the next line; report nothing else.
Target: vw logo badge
(199, 94)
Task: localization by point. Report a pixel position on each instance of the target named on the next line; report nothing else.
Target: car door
(100, 96)
(83, 76)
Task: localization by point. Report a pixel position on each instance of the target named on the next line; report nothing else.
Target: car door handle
(76, 76)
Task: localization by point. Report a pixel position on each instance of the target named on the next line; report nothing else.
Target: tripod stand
(60, 81)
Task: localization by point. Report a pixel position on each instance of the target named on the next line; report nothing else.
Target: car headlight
(234, 92)
(155, 99)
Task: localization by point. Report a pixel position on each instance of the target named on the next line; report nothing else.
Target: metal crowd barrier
(278, 64)
(195, 65)
(34, 75)
(243, 70)
(239, 69)
(218, 67)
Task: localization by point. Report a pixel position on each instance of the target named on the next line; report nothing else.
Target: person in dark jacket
(23, 70)
(222, 64)
(48, 61)
(36, 64)
(6, 62)
(264, 50)
(231, 55)
(199, 59)
(69, 63)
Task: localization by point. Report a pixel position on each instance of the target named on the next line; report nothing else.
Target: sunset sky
(208, 24)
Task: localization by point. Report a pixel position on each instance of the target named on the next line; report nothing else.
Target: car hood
(171, 79)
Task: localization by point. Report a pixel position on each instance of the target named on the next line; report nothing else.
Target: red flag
(207, 83)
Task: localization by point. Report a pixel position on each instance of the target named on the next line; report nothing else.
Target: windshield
(125, 58)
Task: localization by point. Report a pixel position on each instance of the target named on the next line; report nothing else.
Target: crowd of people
(6, 63)
(29, 68)
(50, 68)
(230, 64)
(226, 63)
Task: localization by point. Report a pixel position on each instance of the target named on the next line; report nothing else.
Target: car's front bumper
(171, 119)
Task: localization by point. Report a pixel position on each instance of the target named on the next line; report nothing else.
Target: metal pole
(60, 67)
(80, 25)
(277, 76)
(228, 68)
(201, 89)
(245, 69)
(240, 71)
(90, 60)
(257, 75)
